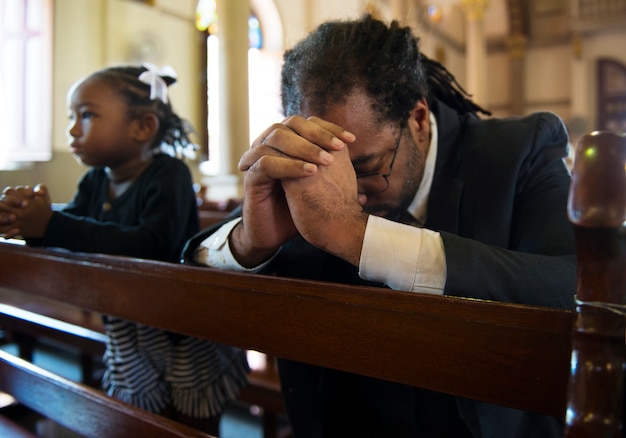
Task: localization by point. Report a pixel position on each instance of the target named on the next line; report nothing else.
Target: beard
(396, 208)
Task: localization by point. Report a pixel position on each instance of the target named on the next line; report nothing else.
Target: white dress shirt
(405, 257)
(401, 256)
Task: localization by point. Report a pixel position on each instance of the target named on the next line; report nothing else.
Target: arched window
(264, 65)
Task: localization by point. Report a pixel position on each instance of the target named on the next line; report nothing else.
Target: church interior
(514, 57)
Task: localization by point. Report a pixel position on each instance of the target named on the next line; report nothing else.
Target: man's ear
(419, 121)
(146, 127)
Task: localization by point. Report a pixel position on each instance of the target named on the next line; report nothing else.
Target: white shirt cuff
(403, 257)
(214, 251)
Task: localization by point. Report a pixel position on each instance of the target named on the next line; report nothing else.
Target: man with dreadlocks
(384, 173)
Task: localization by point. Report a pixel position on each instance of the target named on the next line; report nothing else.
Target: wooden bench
(28, 319)
(212, 212)
(78, 407)
(210, 217)
(507, 354)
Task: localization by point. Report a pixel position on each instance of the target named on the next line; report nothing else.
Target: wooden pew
(597, 209)
(210, 217)
(80, 408)
(211, 212)
(31, 320)
(507, 354)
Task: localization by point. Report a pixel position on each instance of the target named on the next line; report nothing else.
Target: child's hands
(24, 211)
(7, 220)
(12, 198)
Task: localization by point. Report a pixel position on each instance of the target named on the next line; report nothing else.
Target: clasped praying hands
(298, 175)
(24, 211)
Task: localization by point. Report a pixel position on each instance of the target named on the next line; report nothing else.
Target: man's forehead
(355, 114)
(372, 142)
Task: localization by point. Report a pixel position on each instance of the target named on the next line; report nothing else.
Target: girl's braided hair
(173, 134)
(325, 67)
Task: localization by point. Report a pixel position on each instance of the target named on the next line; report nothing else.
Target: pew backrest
(80, 408)
(507, 354)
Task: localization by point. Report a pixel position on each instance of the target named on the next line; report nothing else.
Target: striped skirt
(152, 369)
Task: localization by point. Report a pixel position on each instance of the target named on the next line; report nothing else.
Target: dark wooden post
(597, 209)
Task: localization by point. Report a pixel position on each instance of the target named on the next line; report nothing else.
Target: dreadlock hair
(324, 68)
(173, 134)
(444, 87)
(338, 56)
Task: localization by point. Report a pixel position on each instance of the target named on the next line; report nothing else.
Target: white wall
(548, 79)
(78, 50)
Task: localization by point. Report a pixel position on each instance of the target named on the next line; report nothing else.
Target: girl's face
(100, 133)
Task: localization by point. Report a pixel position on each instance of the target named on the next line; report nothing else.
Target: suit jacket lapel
(445, 194)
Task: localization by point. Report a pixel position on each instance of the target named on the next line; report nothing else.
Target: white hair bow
(153, 76)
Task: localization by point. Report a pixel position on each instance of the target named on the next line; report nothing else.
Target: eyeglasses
(376, 182)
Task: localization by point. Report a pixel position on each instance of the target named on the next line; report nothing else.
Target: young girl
(136, 201)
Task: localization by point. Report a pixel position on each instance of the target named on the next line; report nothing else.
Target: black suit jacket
(498, 198)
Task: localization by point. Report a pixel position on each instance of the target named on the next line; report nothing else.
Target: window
(264, 84)
(264, 65)
(25, 81)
